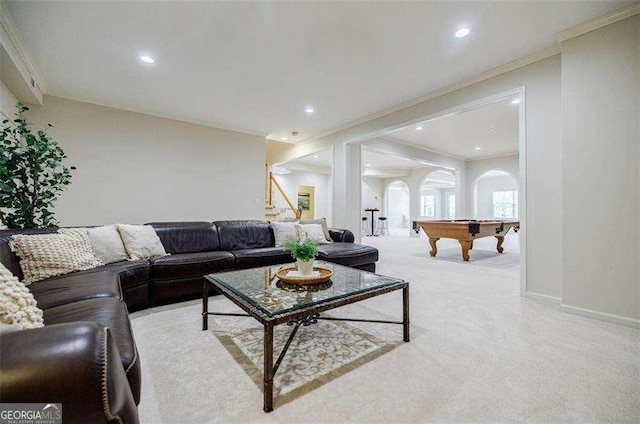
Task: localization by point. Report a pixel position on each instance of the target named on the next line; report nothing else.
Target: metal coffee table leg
(268, 367)
(405, 313)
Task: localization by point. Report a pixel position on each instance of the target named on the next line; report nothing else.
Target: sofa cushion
(322, 222)
(107, 244)
(187, 265)
(348, 254)
(249, 258)
(111, 313)
(187, 237)
(75, 287)
(140, 241)
(236, 235)
(8, 257)
(18, 307)
(47, 255)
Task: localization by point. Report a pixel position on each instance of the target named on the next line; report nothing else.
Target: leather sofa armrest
(75, 364)
(340, 235)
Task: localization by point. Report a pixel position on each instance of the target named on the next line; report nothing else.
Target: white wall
(7, 101)
(600, 121)
(485, 187)
(320, 181)
(138, 168)
(372, 193)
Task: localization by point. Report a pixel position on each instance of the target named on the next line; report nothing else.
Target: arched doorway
(398, 205)
(438, 196)
(495, 195)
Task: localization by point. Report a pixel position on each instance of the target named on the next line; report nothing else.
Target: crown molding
(149, 112)
(494, 72)
(16, 39)
(597, 23)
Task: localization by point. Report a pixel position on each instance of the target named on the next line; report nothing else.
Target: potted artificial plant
(304, 252)
(32, 173)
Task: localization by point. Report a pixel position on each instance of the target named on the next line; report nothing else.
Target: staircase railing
(273, 181)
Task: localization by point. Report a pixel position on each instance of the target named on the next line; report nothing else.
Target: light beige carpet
(479, 353)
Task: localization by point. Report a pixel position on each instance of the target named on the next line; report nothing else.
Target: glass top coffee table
(262, 296)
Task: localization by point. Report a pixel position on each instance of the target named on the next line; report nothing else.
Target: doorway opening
(496, 195)
(397, 206)
(438, 196)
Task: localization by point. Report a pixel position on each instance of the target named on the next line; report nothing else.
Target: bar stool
(382, 225)
(363, 227)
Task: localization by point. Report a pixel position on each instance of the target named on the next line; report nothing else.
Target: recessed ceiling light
(478, 148)
(309, 109)
(462, 32)
(515, 102)
(284, 138)
(146, 59)
(316, 156)
(491, 129)
(368, 164)
(418, 128)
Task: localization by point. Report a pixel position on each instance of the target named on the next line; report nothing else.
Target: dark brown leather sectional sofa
(86, 357)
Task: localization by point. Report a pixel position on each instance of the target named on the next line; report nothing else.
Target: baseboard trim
(602, 316)
(544, 298)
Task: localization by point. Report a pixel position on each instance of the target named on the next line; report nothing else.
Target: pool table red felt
(466, 231)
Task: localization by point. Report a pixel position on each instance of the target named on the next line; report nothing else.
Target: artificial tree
(32, 173)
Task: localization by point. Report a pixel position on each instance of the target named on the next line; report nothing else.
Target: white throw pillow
(107, 244)
(18, 308)
(48, 255)
(281, 230)
(314, 232)
(321, 221)
(140, 241)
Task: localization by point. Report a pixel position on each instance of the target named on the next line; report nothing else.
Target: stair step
(269, 206)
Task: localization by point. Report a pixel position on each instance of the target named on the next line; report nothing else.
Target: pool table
(465, 231)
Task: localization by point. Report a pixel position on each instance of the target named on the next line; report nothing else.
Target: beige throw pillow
(140, 241)
(107, 244)
(18, 308)
(281, 230)
(321, 221)
(313, 232)
(48, 255)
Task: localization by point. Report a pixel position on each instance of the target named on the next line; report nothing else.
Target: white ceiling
(256, 65)
(493, 128)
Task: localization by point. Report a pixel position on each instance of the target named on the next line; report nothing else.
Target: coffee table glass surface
(261, 288)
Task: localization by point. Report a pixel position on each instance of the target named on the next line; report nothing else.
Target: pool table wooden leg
(499, 247)
(465, 248)
(434, 249)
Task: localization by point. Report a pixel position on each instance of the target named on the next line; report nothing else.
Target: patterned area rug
(318, 354)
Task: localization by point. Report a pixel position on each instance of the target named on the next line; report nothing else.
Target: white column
(346, 187)
(414, 191)
(462, 206)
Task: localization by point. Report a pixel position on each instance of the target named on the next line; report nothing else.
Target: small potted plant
(304, 252)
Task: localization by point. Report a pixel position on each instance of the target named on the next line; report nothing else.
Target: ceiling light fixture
(368, 164)
(284, 138)
(478, 148)
(309, 109)
(418, 128)
(462, 32)
(491, 129)
(316, 156)
(147, 59)
(515, 102)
